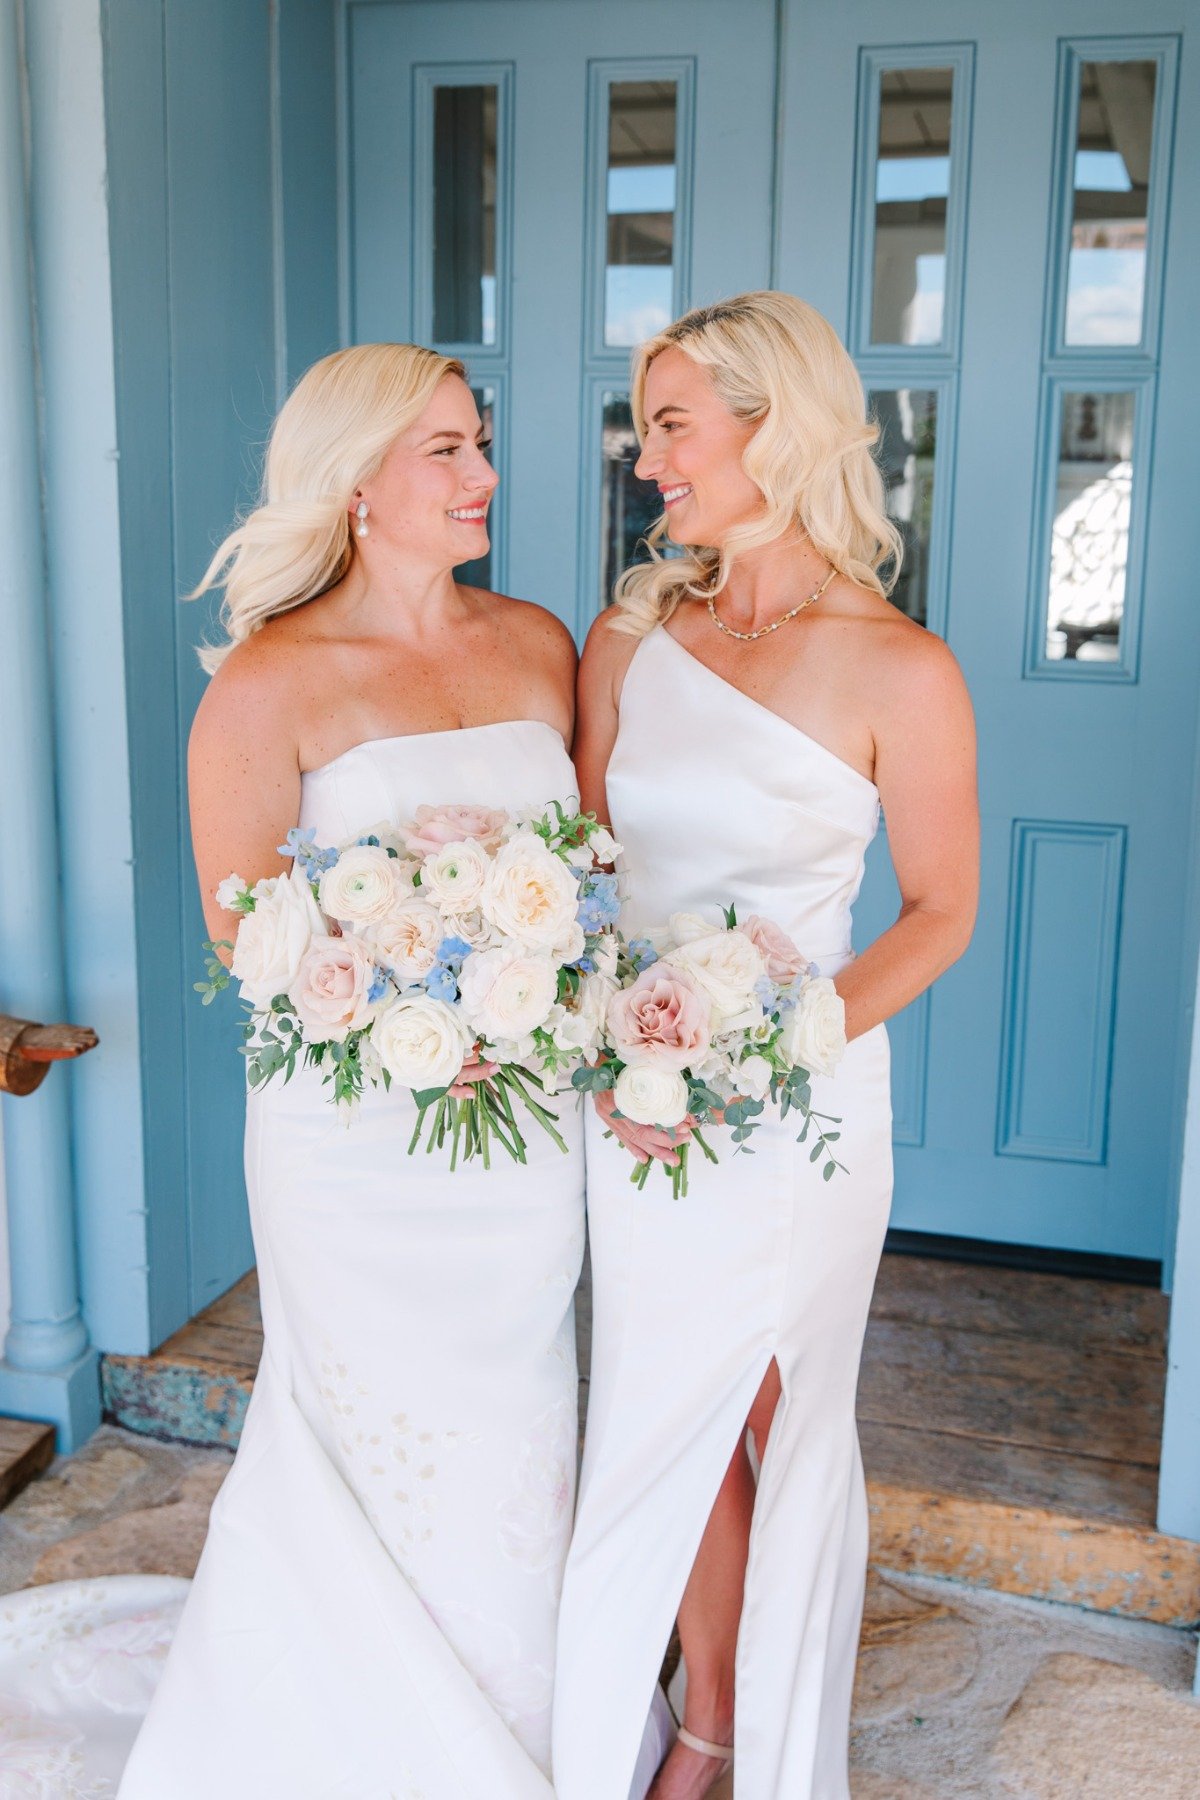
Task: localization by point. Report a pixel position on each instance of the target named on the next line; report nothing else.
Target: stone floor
(962, 1694)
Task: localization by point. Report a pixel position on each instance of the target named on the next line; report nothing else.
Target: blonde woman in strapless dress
(374, 1612)
(743, 712)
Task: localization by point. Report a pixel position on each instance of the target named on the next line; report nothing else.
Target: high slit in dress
(717, 799)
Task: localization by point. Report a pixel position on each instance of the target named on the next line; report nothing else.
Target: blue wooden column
(48, 1370)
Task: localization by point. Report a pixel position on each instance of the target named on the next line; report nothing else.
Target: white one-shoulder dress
(718, 800)
(373, 1617)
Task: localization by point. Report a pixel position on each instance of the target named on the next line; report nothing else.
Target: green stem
(697, 1138)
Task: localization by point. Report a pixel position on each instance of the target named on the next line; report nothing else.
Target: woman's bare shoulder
(254, 690)
(534, 628)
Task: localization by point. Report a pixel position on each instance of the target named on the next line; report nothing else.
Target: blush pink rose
(435, 826)
(663, 1018)
(784, 962)
(331, 987)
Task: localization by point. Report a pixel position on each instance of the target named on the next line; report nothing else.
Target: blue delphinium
(766, 993)
(598, 903)
(379, 985)
(440, 984)
(312, 859)
(453, 950)
(641, 953)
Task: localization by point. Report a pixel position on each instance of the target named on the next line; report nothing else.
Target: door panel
(1048, 1092)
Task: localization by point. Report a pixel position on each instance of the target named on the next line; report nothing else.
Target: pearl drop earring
(360, 513)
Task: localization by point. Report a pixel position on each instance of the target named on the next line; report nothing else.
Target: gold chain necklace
(747, 637)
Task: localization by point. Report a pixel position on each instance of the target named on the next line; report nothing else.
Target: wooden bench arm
(27, 1049)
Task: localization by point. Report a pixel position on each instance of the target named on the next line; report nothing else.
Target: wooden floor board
(1052, 1309)
(942, 1463)
(1013, 1389)
(26, 1448)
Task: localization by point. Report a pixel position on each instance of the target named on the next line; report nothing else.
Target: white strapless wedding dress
(716, 799)
(373, 1617)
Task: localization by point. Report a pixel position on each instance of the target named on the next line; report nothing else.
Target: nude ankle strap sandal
(724, 1752)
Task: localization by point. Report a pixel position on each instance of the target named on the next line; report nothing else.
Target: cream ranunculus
(421, 1042)
(407, 941)
(361, 888)
(814, 1037)
(272, 939)
(453, 877)
(726, 966)
(507, 993)
(531, 895)
(651, 1095)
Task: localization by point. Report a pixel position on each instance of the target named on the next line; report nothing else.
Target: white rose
(531, 895)
(727, 967)
(506, 993)
(332, 989)
(453, 877)
(421, 1042)
(272, 940)
(361, 888)
(753, 1077)
(685, 927)
(407, 940)
(814, 1037)
(475, 930)
(651, 1095)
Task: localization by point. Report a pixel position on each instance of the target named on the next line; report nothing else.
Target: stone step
(1010, 1425)
(26, 1448)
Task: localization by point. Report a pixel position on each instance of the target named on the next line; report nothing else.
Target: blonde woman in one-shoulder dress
(743, 712)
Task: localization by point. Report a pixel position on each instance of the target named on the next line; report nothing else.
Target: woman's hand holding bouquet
(708, 1025)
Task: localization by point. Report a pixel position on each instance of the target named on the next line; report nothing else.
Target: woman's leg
(711, 1610)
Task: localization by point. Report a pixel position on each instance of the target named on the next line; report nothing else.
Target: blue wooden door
(985, 208)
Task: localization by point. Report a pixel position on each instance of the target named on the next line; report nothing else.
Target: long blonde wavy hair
(777, 363)
(330, 436)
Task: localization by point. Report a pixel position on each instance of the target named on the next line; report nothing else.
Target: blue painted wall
(223, 241)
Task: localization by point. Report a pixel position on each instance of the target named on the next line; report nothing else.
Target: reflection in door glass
(479, 572)
(464, 215)
(639, 275)
(1089, 544)
(1106, 275)
(628, 507)
(907, 420)
(912, 185)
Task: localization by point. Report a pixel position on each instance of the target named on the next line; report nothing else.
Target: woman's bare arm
(243, 778)
(925, 771)
(606, 656)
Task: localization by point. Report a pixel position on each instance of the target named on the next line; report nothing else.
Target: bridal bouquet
(709, 1023)
(467, 955)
